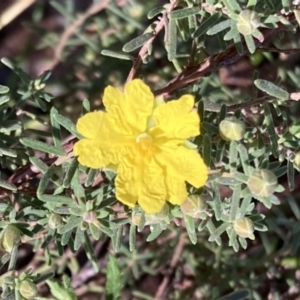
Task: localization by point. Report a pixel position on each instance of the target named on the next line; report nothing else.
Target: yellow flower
(146, 140)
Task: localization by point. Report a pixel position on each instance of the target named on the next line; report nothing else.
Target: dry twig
(217, 61)
(143, 52)
(93, 9)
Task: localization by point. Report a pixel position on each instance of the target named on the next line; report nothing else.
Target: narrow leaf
(37, 145)
(137, 42)
(271, 89)
(184, 12)
(113, 283)
(7, 185)
(117, 54)
(207, 24)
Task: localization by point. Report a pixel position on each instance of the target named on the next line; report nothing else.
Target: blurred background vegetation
(67, 38)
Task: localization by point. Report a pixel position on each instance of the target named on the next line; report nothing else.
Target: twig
(142, 54)
(215, 62)
(160, 294)
(95, 8)
(13, 11)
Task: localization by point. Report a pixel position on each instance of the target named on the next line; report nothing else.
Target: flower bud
(11, 236)
(54, 221)
(262, 183)
(248, 21)
(27, 289)
(232, 129)
(244, 228)
(194, 206)
(90, 216)
(297, 160)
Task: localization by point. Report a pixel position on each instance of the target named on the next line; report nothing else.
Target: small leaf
(90, 252)
(237, 295)
(4, 89)
(219, 27)
(190, 227)
(7, 185)
(171, 46)
(37, 145)
(67, 124)
(117, 54)
(137, 42)
(271, 89)
(113, 283)
(45, 181)
(132, 237)
(206, 149)
(207, 24)
(155, 11)
(4, 99)
(59, 200)
(250, 43)
(184, 12)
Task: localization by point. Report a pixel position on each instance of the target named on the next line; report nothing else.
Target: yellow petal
(142, 182)
(126, 190)
(129, 111)
(90, 154)
(152, 191)
(91, 124)
(114, 102)
(102, 145)
(177, 119)
(139, 103)
(177, 192)
(183, 163)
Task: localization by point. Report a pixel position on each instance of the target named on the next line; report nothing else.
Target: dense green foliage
(238, 236)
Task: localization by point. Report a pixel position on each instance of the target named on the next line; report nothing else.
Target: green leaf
(219, 27)
(271, 129)
(56, 132)
(70, 172)
(59, 200)
(4, 99)
(137, 42)
(206, 25)
(190, 227)
(79, 237)
(155, 11)
(45, 181)
(113, 283)
(184, 12)
(8, 186)
(237, 295)
(206, 149)
(216, 234)
(61, 292)
(4, 89)
(90, 252)
(132, 237)
(235, 201)
(39, 164)
(154, 234)
(171, 45)
(291, 175)
(271, 89)
(37, 145)
(72, 222)
(117, 54)
(67, 124)
(232, 5)
(250, 43)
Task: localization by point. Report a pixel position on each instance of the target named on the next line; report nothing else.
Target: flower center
(145, 144)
